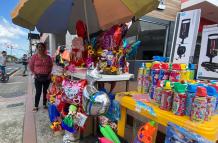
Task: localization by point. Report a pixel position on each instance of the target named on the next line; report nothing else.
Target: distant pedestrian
(41, 66)
(3, 60)
(25, 62)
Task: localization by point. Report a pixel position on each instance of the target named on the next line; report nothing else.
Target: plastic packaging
(177, 134)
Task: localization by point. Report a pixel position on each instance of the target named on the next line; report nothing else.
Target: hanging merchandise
(81, 29)
(177, 134)
(179, 99)
(208, 65)
(104, 140)
(62, 57)
(77, 52)
(167, 96)
(73, 90)
(147, 133)
(94, 102)
(108, 133)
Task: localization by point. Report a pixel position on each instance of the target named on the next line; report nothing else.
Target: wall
(172, 7)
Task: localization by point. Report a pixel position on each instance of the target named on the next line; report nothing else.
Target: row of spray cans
(197, 101)
(144, 78)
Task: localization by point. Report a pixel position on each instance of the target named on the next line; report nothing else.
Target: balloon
(112, 134)
(104, 140)
(105, 133)
(94, 102)
(73, 90)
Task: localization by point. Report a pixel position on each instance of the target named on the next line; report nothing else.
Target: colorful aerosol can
(157, 94)
(212, 98)
(140, 78)
(175, 73)
(191, 71)
(179, 99)
(210, 107)
(183, 72)
(167, 97)
(152, 91)
(199, 105)
(146, 80)
(164, 72)
(191, 91)
(216, 95)
(155, 70)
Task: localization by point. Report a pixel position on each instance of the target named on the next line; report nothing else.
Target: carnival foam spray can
(164, 72)
(216, 95)
(167, 96)
(191, 91)
(146, 80)
(179, 99)
(155, 70)
(199, 105)
(158, 94)
(175, 73)
(183, 72)
(211, 102)
(140, 78)
(191, 71)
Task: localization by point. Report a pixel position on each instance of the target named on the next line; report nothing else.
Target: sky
(11, 34)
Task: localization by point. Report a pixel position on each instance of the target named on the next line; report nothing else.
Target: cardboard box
(208, 59)
(185, 36)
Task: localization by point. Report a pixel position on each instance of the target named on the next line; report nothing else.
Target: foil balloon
(94, 102)
(73, 90)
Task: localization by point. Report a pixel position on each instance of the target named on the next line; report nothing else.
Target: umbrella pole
(86, 18)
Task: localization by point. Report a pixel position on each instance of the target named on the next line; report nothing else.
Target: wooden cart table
(208, 129)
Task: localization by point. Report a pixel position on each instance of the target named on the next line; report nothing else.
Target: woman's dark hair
(40, 44)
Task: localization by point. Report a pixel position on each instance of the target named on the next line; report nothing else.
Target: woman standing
(41, 66)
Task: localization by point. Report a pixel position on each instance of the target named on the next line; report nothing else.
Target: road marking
(15, 73)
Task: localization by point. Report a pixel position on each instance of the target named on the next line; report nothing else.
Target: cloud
(10, 31)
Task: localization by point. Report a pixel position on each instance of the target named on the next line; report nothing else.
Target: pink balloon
(104, 140)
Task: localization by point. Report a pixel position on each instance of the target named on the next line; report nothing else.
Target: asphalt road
(12, 99)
